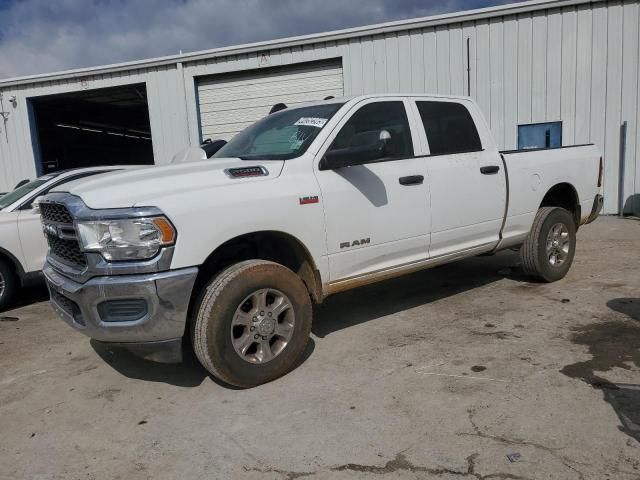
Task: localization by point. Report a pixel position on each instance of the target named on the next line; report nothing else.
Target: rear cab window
(449, 127)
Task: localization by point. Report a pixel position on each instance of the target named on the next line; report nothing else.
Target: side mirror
(366, 147)
(210, 147)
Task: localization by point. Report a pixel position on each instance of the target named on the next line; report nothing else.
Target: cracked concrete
(398, 464)
(439, 375)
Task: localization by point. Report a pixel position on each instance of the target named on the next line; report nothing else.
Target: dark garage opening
(107, 126)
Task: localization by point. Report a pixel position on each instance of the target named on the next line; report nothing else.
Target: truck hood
(142, 187)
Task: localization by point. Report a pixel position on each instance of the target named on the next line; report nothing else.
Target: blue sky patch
(38, 36)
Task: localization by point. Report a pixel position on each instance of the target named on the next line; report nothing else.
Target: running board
(397, 271)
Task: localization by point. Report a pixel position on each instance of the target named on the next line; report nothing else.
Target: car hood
(142, 187)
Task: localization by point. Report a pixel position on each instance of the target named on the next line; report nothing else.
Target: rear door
(376, 215)
(466, 177)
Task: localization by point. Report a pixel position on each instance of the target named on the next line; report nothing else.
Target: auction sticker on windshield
(311, 122)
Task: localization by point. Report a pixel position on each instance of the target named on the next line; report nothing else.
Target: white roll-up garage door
(229, 103)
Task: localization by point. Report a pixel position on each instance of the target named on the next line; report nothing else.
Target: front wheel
(8, 284)
(548, 251)
(252, 323)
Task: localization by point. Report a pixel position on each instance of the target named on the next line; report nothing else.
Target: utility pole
(5, 118)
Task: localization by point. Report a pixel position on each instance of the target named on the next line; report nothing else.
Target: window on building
(370, 120)
(540, 135)
(449, 128)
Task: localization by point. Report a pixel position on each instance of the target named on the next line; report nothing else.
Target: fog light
(128, 310)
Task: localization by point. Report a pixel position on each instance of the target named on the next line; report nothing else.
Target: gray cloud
(39, 36)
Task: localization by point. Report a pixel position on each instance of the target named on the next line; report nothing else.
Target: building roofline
(332, 36)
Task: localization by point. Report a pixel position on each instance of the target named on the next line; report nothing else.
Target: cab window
(449, 128)
(372, 120)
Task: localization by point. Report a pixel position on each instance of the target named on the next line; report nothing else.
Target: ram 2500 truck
(231, 253)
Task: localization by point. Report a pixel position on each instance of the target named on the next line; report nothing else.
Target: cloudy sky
(38, 36)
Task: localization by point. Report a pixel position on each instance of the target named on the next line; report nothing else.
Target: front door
(377, 213)
(34, 244)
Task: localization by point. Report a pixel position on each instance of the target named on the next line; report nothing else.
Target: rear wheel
(252, 323)
(548, 251)
(8, 284)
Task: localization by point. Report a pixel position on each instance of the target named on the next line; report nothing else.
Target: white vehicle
(23, 247)
(233, 252)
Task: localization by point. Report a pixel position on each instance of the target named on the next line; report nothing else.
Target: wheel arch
(14, 263)
(563, 195)
(276, 246)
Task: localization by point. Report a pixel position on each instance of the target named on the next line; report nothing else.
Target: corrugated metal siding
(578, 64)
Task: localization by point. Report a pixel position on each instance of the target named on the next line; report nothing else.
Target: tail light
(600, 172)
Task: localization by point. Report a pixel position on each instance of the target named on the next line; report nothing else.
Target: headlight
(126, 239)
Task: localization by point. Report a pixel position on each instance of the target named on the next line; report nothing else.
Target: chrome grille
(56, 213)
(67, 250)
(61, 234)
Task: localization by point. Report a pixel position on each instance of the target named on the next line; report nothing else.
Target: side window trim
(420, 142)
(418, 137)
(463, 152)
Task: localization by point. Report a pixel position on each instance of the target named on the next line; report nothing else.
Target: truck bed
(532, 173)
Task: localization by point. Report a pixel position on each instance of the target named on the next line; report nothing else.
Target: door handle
(411, 180)
(490, 170)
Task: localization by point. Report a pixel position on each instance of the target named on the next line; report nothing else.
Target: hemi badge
(308, 200)
(245, 172)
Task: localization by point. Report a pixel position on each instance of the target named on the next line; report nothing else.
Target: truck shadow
(190, 373)
(364, 304)
(28, 296)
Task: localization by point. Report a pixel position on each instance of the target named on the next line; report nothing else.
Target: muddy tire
(8, 284)
(548, 251)
(252, 323)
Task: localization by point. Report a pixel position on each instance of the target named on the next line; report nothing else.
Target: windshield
(280, 136)
(22, 191)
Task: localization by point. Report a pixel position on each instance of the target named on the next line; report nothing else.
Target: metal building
(545, 72)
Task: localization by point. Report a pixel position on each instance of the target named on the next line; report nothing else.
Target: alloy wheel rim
(3, 284)
(558, 245)
(262, 326)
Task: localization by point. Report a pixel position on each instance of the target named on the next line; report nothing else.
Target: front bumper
(165, 297)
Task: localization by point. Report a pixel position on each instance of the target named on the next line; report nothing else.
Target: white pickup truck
(23, 248)
(232, 252)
